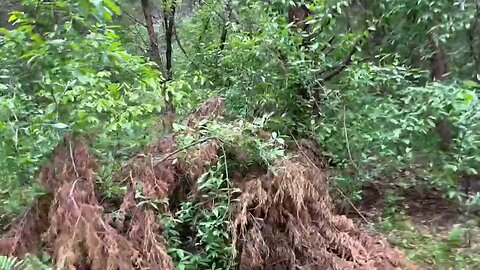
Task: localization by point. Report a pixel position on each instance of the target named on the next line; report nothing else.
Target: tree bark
(223, 36)
(168, 9)
(439, 70)
(169, 19)
(169, 112)
(474, 39)
(155, 52)
(438, 61)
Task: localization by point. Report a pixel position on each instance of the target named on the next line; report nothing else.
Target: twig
(133, 18)
(71, 194)
(178, 40)
(183, 148)
(216, 12)
(228, 190)
(139, 34)
(348, 59)
(181, 47)
(354, 207)
(72, 158)
(336, 187)
(346, 140)
(338, 69)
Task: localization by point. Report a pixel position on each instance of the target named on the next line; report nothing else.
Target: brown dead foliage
(159, 167)
(284, 219)
(159, 170)
(24, 234)
(155, 170)
(79, 235)
(212, 108)
(73, 224)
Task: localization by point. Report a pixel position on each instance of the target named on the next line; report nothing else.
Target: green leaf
(468, 96)
(112, 6)
(470, 84)
(13, 17)
(60, 125)
(56, 42)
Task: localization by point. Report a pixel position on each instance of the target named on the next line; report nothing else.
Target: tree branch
(472, 36)
(134, 19)
(178, 40)
(348, 59)
(181, 47)
(338, 69)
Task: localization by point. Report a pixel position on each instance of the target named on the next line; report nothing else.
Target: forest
(239, 134)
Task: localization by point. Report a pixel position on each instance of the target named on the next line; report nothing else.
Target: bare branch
(132, 18)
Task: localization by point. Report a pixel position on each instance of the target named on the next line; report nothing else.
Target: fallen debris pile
(283, 219)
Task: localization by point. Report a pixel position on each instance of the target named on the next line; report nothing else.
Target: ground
(433, 232)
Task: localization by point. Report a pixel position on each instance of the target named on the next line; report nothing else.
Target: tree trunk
(474, 39)
(155, 52)
(438, 61)
(223, 36)
(439, 70)
(169, 19)
(169, 22)
(156, 57)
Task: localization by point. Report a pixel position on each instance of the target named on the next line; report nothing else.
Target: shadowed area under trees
(239, 134)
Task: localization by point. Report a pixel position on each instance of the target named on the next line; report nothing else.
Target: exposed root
(24, 235)
(283, 219)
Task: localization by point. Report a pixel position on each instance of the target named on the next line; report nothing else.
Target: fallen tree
(281, 218)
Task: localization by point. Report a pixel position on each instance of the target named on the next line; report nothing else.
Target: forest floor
(431, 231)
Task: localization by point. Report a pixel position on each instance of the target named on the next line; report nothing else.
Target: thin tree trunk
(439, 70)
(223, 36)
(474, 38)
(438, 61)
(169, 19)
(169, 23)
(169, 113)
(155, 52)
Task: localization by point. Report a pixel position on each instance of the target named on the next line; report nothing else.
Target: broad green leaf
(112, 6)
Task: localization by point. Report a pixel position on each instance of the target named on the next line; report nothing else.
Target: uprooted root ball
(283, 219)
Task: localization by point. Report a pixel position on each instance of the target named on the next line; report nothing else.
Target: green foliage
(358, 81)
(397, 130)
(446, 250)
(67, 72)
(199, 234)
(374, 119)
(28, 263)
(9, 263)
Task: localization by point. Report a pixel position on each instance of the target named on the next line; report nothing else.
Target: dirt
(284, 219)
(423, 208)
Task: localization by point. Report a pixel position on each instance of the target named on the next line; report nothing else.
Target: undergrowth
(28, 263)
(435, 248)
(206, 223)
